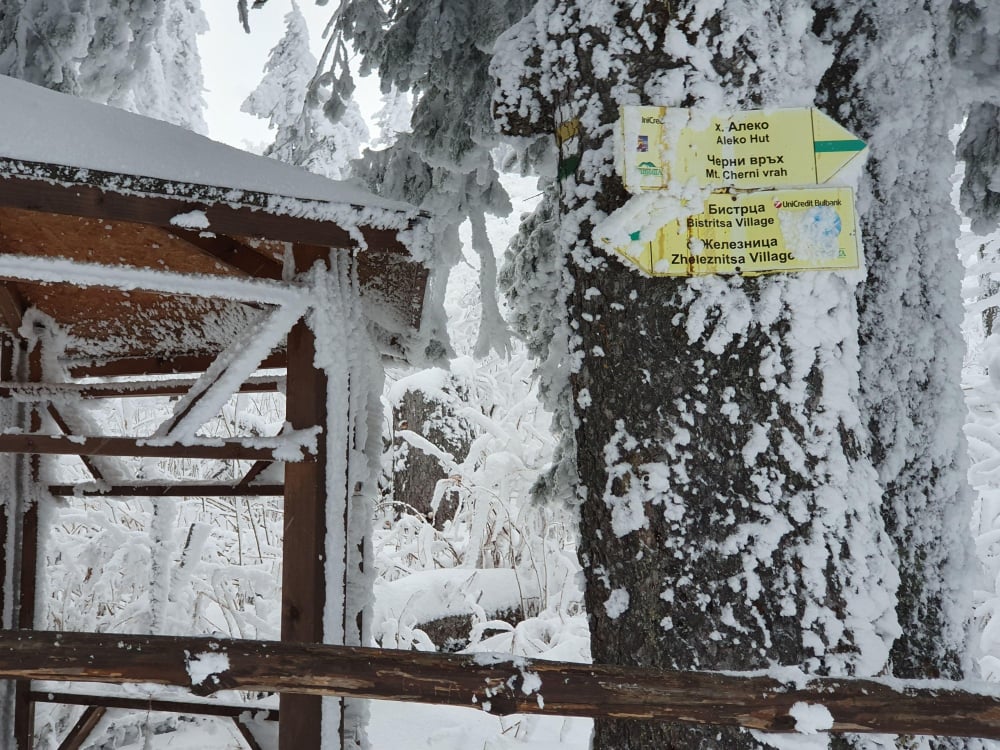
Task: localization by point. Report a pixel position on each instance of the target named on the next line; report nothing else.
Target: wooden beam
(234, 255)
(153, 704)
(250, 449)
(504, 685)
(180, 489)
(143, 366)
(71, 392)
(45, 187)
(303, 580)
(82, 729)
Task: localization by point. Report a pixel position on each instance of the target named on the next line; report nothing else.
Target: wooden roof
(76, 212)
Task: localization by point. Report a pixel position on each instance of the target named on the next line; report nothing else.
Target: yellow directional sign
(750, 149)
(754, 233)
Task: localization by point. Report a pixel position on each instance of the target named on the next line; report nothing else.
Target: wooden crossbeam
(69, 392)
(153, 704)
(179, 489)
(503, 685)
(257, 449)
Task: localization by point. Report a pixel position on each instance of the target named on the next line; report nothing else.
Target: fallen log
(504, 685)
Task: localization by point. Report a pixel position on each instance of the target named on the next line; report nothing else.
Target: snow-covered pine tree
(291, 97)
(729, 507)
(140, 56)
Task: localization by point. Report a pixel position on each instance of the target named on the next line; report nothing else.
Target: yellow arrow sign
(751, 149)
(754, 233)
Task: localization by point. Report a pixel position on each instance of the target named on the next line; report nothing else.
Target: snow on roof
(43, 126)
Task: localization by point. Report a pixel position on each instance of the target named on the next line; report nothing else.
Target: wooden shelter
(139, 259)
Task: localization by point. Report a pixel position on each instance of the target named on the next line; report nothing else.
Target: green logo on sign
(649, 169)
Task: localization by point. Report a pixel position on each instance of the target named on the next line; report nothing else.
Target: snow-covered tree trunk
(729, 507)
(904, 105)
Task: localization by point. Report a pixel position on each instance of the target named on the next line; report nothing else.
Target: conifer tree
(291, 96)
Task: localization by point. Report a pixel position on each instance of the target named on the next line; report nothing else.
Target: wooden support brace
(253, 472)
(61, 423)
(247, 735)
(504, 685)
(82, 729)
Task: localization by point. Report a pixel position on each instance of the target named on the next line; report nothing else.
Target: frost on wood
(724, 476)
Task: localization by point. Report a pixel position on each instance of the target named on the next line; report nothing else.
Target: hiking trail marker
(753, 149)
(766, 231)
(749, 225)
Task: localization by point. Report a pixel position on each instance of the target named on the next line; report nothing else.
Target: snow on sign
(754, 233)
(749, 149)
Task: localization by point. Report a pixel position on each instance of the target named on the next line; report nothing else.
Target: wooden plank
(156, 202)
(71, 392)
(303, 583)
(255, 449)
(180, 489)
(504, 685)
(82, 729)
(153, 704)
(143, 366)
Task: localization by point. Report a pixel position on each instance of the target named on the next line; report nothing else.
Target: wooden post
(303, 580)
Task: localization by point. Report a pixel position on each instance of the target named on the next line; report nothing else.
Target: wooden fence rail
(501, 685)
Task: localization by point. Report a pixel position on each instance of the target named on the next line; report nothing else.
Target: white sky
(233, 64)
